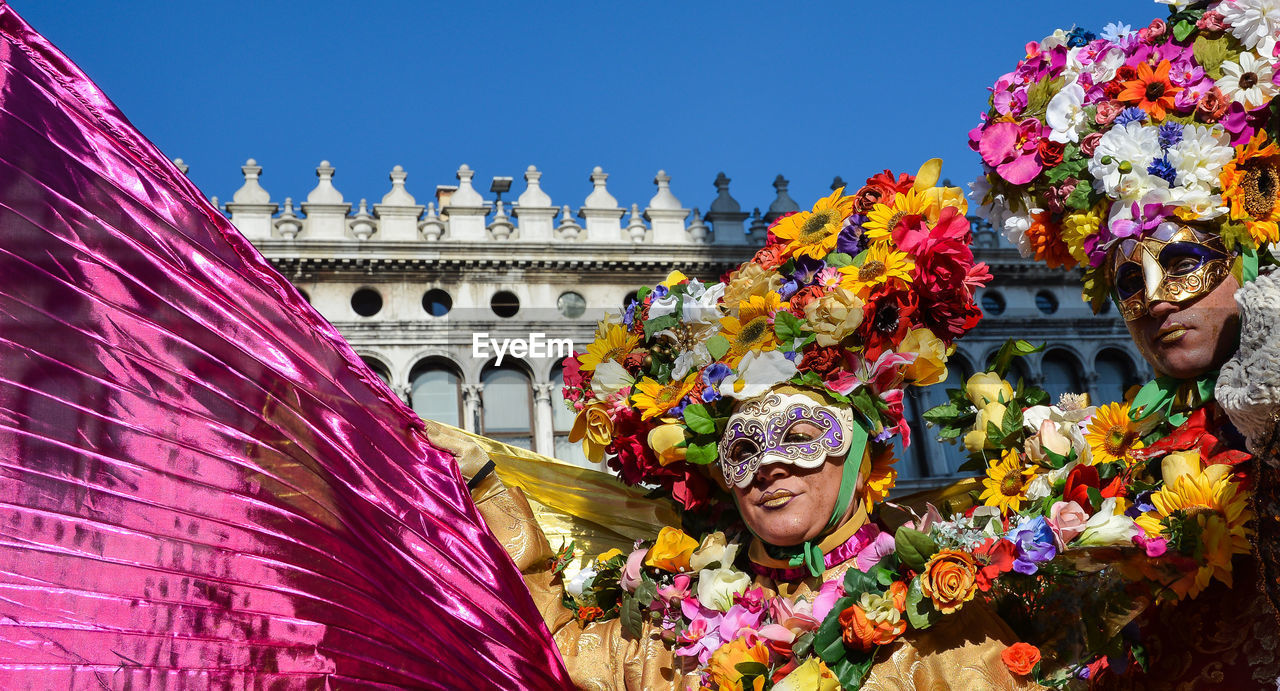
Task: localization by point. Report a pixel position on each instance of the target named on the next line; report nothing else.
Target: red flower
(995, 557)
(1021, 658)
(803, 297)
(771, 256)
(822, 361)
(1050, 152)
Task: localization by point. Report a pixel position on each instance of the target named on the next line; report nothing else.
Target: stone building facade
(466, 304)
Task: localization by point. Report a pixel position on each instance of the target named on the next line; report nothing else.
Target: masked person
(764, 405)
(1148, 159)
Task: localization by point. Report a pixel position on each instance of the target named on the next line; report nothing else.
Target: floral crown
(1095, 138)
(855, 299)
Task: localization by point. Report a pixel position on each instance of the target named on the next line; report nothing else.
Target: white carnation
(1200, 156)
(1251, 21)
(1132, 143)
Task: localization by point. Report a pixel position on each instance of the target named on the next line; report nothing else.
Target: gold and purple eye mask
(771, 430)
(1174, 264)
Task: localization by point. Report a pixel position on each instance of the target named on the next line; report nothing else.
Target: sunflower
(612, 343)
(880, 479)
(1006, 483)
(746, 335)
(1111, 435)
(885, 217)
(765, 305)
(652, 398)
(1209, 497)
(1251, 187)
(1151, 90)
(881, 264)
(814, 233)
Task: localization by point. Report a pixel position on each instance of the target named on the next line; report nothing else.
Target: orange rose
(1021, 658)
(876, 619)
(723, 667)
(671, 551)
(950, 579)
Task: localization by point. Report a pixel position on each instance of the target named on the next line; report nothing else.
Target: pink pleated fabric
(201, 485)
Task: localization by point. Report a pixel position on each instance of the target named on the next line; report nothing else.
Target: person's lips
(776, 499)
(1170, 333)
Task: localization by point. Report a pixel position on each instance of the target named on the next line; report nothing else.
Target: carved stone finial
(324, 192)
(251, 191)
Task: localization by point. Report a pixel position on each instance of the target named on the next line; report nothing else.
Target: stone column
(325, 209)
(466, 211)
(543, 426)
(251, 208)
(665, 214)
(399, 211)
(471, 407)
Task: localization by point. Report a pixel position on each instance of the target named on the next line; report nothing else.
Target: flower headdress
(1096, 138)
(855, 299)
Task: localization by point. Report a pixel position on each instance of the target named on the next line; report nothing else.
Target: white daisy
(1132, 144)
(1115, 32)
(1248, 81)
(1065, 114)
(1251, 21)
(1200, 156)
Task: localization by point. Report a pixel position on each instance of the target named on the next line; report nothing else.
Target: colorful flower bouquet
(1094, 138)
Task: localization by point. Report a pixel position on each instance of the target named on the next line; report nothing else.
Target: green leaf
(1012, 422)
(838, 259)
(1210, 53)
(698, 419)
(1011, 349)
(921, 613)
(914, 548)
(1081, 197)
(857, 582)
(647, 591)
(802, 645)
(751, 668)
(653, 326)
(1095, 497)
(1182, 30)
(853, 669)
(717, 346)
(1039, 94)
(701, 454)
(862, 400)
(949, 433)
(787, 326)
(828, 643)
(942, 413)
(629, 615)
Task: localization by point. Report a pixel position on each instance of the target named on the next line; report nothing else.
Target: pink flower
(630, 579)
(680, 588)
(881, 546)
(1089, 144)
(1155, 546)
(1107, 111)
(830, 592)
(738, 622)
(1067, 520)
(699, 639)
(1010, 148)
(1211, 22)
(752, 599)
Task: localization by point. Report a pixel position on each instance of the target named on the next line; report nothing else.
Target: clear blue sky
(807, 89)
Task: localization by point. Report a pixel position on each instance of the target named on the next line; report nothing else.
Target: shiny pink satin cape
(200, 483)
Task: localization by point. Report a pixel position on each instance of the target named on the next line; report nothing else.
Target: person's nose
(1161, 309)
(769, 472)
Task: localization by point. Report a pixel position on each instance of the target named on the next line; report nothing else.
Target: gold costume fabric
(962, 651)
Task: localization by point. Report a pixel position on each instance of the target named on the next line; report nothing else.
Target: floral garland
(858, 298)
(1094, 138)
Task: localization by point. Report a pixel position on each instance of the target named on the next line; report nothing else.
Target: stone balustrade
(461, 214)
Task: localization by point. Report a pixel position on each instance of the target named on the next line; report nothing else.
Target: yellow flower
(880, 479)
(985, 387)
(814, 233)
(612, 343)
(881, 264)
(930, 365)
(1006, 483)
(1210, 497)
(976, 439)
(755, 306)
(885, 217)
(750, 280)
(594, 429)
(663, 439)
(606, 556)
(1251, 187)
(1079, 226)
(673, 279)
(813, 675)
(939, 197)
(671, 551)
(1112, 436)
(745, 336)
(833, 316)
(723, 667)
(653, 399)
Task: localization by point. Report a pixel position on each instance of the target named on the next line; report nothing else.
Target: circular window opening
(505, 304)
(366, 302)
(437, 303)
(571, 305)
(992, 303)
(305, 295)
(1046, 302)
(630, 298)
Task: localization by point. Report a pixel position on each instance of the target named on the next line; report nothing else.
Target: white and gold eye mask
(769, 430)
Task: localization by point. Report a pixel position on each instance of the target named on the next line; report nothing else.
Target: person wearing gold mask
(1153, 171)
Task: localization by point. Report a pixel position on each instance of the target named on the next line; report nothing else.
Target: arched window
(1115, 375)
(562, 418)
(435, 392)
(910, 463)
(959, 369)
(1061, 374)
(378, 369)
(507, 406)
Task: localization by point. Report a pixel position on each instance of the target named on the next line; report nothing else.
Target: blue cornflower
(1162, 168)
(1170, 133)
(1130, 114)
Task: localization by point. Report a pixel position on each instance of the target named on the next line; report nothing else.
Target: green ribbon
(809, 554)
(1160, 395)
